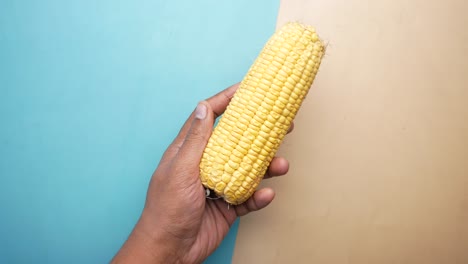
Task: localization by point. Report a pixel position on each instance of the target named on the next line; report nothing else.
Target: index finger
(218, 103)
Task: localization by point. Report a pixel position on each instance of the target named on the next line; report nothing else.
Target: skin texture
(178, 224)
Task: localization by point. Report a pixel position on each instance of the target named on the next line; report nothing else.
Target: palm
(215, 223)
(178, 220)
(217, 216)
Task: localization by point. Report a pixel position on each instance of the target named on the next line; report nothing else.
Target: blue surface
(91, 93)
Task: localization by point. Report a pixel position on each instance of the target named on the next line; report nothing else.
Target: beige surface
(379, 156)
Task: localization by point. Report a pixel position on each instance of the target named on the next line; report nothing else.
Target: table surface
(379, 154)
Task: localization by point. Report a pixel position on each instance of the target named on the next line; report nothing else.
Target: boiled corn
(260, 113)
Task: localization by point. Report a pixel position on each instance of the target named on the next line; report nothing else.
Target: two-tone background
(92, 92)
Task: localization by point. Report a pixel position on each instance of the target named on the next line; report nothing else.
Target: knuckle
(196, 134)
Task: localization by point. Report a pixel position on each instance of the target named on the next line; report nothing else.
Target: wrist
(147, 244)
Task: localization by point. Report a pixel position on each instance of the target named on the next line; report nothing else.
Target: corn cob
(260, 113)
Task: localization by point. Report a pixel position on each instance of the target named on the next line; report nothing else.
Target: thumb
(200, 131)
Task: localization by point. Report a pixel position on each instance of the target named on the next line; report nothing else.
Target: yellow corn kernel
(260, 113)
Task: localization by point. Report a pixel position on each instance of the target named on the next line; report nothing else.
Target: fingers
(259, 200)
(278, 166)
(220, 101)
(291, 127)
(263, 197)
(177, 142)
(197, 136)
(218, 104)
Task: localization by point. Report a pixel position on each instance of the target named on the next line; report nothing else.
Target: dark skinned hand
(178, 224)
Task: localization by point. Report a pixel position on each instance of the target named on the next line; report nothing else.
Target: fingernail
(264, 198)
(200, 111)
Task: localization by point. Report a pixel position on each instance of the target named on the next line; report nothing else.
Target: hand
(178, 224)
